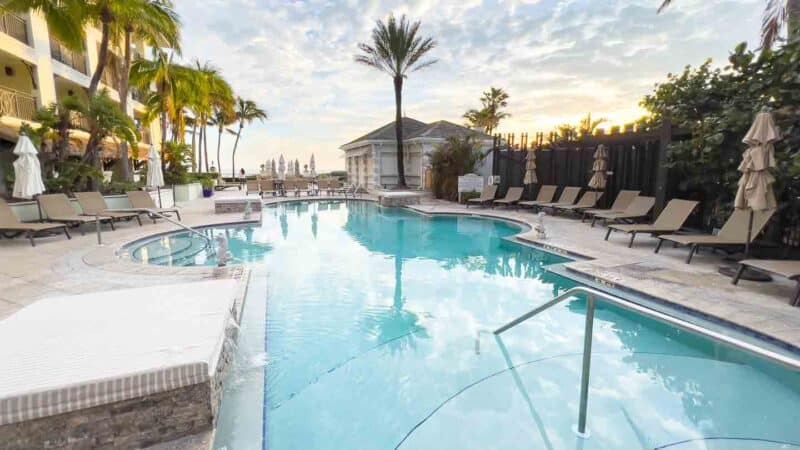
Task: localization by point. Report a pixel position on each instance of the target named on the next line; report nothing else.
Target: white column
(40, 41)
(376, 167)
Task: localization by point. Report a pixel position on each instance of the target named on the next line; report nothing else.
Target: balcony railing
(110, 79)
(78, 122)
(76, 60)
(17, 104)
(14, 26)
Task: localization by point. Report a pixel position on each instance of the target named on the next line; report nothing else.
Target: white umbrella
(155, 177)
(272, 170)
(530, 168)
(598, 180)
(312, 165)
(27, 171)
(755, 187)
(281, 168)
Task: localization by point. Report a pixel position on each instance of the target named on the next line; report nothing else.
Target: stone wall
(236, 206)
(128, 424)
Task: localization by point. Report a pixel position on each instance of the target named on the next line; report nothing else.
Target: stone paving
(760, 307)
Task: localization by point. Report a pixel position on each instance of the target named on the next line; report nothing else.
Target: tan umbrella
(598, 180)
(755, 187)
(530, 168)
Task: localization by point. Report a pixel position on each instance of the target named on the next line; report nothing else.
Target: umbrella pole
(160, 205)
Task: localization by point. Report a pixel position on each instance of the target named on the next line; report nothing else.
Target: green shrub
(457, 156)
(466, 196)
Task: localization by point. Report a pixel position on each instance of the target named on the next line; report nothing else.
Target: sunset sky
(558, 60)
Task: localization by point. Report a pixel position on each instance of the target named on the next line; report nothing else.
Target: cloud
(558, 59)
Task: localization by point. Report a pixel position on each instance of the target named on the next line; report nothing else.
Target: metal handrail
(170, 220)
(593, 294)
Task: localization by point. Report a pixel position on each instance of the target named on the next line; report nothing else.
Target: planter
(188, 192)
(208, 192)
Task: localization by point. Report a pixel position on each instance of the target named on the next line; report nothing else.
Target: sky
(557, 59)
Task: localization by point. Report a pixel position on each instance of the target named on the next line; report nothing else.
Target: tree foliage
(490, 115)
(453, 158)
(717, 106)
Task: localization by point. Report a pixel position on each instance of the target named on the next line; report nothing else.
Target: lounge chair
(568, 197)
(513, 196)
(623, 200)
(57, 208)
(352, 191)
(222, 185)
(786, 268)
(545, 195)
(588, 200)
(266, 186)
(670, 220)
(142, 200)
(93, 204)
(733, 233)
(487, 196)
(639, 208)
(253, 186)
(9, 223)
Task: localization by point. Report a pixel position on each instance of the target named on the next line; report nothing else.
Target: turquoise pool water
(370, 328)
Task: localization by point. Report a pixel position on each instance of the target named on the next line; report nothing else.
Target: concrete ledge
(399, 198)
(131, 336)
(236, 204)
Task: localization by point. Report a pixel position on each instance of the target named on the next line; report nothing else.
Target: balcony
(145, 133)
(17, 104)
(76, 60)
(14, 26)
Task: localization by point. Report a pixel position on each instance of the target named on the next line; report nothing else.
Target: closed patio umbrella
(272, 170)
(155, 177)
(312, 165)
(755, 191)
(598, 180)
(281, 168)
(27, 170)
(755, 187)
(530, 168)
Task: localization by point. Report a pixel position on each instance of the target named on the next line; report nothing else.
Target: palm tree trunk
(219, 143)
(102, 53)
(195, 155)
(205, 142)
(235, 145)
(793, 19)
(123, 104)
(398, 125)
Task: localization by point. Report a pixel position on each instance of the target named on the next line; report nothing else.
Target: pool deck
(60, 267)
(760, 307)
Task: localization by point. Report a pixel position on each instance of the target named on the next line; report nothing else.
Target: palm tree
(777, 14)
(106, 120)
(246, 112)
(587, 125)
(161, 72)
(493, 100)
(397, 50)
(211, 91)
(477, 119)
(222, 116)
(153, 22)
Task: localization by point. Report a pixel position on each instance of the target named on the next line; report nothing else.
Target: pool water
(370, 328)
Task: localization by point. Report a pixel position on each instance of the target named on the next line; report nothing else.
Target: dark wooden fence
(636, 160)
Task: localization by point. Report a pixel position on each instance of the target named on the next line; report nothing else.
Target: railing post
(587, 362)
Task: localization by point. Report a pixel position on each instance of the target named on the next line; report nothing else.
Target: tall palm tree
(477, 118)
(161, 72)
(222, 116)
(397, 50)
(246, 112)
(212, 91)
(153, 22)
(493, 100)
(777, 14)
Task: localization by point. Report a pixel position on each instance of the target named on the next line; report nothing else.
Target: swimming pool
(370, 328)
